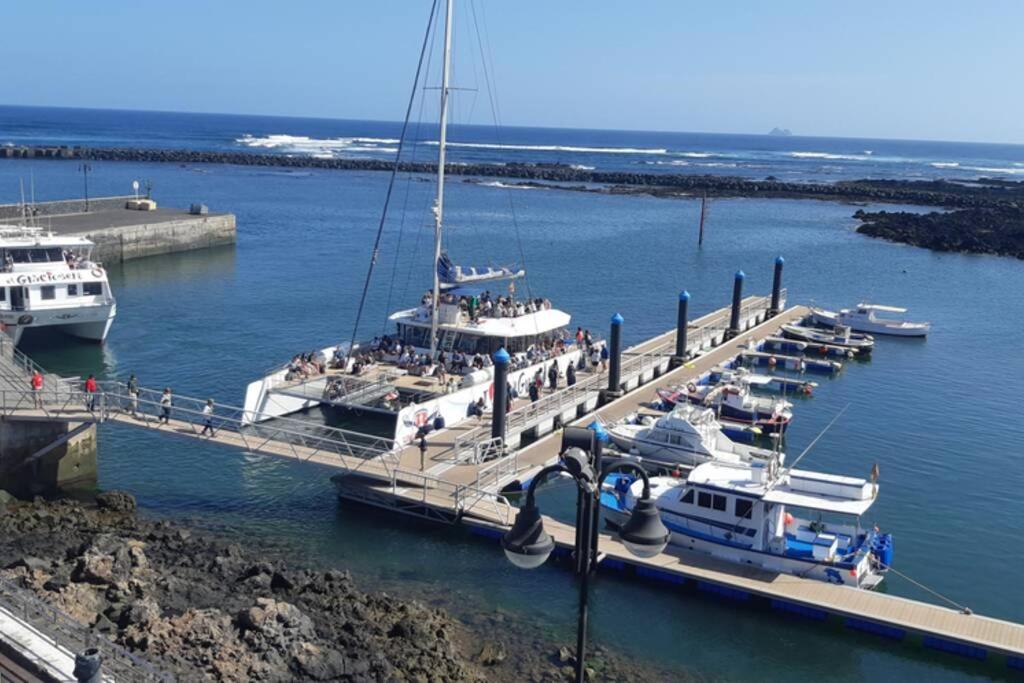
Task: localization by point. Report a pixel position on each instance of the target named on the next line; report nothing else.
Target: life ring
(691, 387)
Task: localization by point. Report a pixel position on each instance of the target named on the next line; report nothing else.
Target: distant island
(780, 131)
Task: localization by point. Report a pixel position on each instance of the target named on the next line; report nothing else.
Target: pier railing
(461, 498)
(118, 664)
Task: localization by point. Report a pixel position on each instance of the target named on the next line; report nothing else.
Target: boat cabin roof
(21, 237)
(538, 322)
(798, 488)
(879, 307)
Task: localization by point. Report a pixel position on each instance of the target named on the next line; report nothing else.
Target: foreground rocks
(205, 609)
(998, 231)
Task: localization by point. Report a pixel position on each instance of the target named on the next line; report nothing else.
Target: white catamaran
(49, 283)
(436, 367)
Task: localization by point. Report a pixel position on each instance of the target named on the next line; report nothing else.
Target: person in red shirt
(90, 393)
(37, 388)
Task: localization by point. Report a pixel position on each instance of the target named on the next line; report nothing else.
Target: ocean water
(939, 416)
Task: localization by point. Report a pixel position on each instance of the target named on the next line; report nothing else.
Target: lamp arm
(542, 475)
(622, 465)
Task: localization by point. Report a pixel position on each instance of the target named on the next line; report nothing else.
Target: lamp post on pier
(527, 545)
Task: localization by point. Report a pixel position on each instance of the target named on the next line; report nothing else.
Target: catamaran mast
(439, 203)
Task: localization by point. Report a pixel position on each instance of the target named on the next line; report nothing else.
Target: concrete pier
(121, 234)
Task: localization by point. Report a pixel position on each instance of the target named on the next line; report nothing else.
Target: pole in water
(703, 213)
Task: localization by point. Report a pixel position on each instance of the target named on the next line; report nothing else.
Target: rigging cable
(391, 181)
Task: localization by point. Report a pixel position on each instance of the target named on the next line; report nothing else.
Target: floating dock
(120, 233)
(463, 473)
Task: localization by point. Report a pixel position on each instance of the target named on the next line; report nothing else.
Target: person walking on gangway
(166, 401)
(37, 389)
(90, 393)
(208, 418)
(133, 395)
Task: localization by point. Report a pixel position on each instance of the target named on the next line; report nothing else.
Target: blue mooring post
(500, 402)
(615, 358)
(777, 287)
(737, 297)
(682, 322)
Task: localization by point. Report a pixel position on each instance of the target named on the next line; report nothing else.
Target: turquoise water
(939, 416)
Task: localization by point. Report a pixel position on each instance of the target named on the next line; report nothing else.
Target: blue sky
(908, 69)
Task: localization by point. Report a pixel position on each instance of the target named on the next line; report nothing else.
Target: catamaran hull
(837, 573)
(91, 323)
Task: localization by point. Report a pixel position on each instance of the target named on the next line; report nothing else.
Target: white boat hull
(91, 323)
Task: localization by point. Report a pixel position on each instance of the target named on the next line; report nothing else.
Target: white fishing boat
(871, 318)
(840, 336)
(689, 435)
(50, 284)
(434, 368)
(799, 522)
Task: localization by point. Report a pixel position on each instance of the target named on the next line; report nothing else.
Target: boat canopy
(451, 275)
(879, 307)
(812, 501)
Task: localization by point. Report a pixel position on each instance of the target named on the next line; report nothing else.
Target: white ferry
(795, 521)
(49, 283)
(436, 366)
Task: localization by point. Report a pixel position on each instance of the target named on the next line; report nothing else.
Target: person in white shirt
(208, 418)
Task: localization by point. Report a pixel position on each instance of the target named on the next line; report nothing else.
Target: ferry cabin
(806, 523)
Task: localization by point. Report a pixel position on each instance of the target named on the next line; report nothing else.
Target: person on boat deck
(553, 376)
(570, 375)
(476, 409)
(579, 337)
(441, 373)
(587, 339)
(534, 391)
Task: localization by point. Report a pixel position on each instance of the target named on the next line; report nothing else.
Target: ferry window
(743, 507)
(92, 288)
(704, 499)
(72, 290)
(19, 255)
(687, 497)
(719, 503)
(3, 294)
(48, 292)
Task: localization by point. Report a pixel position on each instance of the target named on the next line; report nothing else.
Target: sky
(937, 70)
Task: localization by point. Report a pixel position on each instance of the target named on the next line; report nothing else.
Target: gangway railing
(461, 499)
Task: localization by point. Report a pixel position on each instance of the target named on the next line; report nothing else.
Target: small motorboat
(735, 402)
(797, 522)
(866, 318)
(840, 336)
(758, 382)
(689, 435)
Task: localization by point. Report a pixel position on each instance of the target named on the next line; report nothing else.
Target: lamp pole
(527, 545)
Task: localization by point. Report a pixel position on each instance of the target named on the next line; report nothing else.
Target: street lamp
(527, 545)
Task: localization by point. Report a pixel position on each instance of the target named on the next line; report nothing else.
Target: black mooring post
(737, 297)
(615, 358)
(777, 287)
(500, 403)
(682, 322)
(88, 666)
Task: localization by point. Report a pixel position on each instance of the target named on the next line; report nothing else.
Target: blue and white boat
(798, 522)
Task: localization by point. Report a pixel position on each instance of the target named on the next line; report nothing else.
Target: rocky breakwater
(928, 193)
(205, 609)
(998, 231)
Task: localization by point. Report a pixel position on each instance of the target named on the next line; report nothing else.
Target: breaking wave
(944, 164)
(320, 148)
(554, 148)
(498, 183)
(828, 155)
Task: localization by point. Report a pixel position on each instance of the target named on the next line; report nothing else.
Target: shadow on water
(174, 268)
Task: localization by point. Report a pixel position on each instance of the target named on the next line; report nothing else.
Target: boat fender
(691, 387)
(772, 361)
(789, 519)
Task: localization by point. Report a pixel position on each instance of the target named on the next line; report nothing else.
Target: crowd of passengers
(485, 305)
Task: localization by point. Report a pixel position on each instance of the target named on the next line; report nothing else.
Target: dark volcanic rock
(116, 501)
(998, 231)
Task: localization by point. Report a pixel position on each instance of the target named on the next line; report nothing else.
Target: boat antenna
(800, 457)
(391, 181)
(439, 203)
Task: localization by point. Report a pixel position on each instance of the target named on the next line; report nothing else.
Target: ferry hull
(90, 323)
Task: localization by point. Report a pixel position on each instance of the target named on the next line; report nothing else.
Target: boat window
(704, 499)
(48, 292)
(3, 294)
(719, 503)
(92, 288)
(72, 290)
(744, 507)
(687, 497)
(676, 439)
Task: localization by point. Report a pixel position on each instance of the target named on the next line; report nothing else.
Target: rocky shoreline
(997, 231)
(977, 194)
(202, 607)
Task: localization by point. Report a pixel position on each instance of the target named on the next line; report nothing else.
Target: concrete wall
(114, 245)
(68, 466)
(10, 212)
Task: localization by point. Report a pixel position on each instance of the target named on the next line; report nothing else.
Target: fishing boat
(865, 318)
(433, 367)
(799, 522)
(50, 284)
(841, 336)
(689, 435)
(773, 383)
(736, 402)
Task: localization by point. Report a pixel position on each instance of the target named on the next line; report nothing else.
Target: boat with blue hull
(798, 522)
